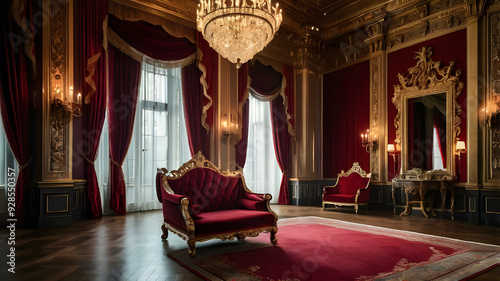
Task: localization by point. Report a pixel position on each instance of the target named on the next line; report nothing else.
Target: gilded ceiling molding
(351, 25)
(180, 8)
(408, 28)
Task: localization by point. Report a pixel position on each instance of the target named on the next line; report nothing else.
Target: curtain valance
(266, 81)
(267, 84)
(174, 28)
(144, 41)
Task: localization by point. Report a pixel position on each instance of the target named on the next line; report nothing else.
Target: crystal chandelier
(238, 29)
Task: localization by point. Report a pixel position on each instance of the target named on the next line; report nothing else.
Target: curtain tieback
(21, 167)
(118, 165)
(87, 159)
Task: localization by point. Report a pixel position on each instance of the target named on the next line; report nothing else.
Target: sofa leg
(191, 244)
(274, 240)
(240, 237)
(356, 208)
(164, 231)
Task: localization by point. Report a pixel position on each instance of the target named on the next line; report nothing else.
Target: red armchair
(200, 203)
(352, 189)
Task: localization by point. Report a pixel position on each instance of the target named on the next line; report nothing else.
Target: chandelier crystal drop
(238, 29)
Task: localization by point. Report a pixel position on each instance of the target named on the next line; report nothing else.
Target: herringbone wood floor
(129, 247)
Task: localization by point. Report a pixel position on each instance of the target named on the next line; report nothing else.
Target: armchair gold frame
(354, 169)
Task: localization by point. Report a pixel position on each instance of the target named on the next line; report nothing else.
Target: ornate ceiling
(326, 34)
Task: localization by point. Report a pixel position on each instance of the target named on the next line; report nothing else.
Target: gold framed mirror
(428, 119)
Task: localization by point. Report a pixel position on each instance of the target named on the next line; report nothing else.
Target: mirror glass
(427, 147)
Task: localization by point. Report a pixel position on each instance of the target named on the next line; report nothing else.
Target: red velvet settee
(352, 189)
(200, 203)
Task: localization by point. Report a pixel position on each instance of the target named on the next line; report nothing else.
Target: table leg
(452, 201)
(431, 204)
(394, 199)
(422, 202)
(408, 208)
(443, 198)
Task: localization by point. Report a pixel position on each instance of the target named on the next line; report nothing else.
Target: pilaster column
(227, 104)
(306, 158)
(378, 99)
(475, 10)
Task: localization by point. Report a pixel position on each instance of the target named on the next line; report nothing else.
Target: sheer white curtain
(261, 171)
(159, 139)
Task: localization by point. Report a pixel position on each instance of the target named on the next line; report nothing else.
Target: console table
(419, 187)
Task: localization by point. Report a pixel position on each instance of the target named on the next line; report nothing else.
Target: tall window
(437, 151)
(7, 161)
(159, 138)
(262, 173)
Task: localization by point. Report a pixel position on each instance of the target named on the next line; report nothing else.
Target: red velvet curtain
(266, 81)
(193, 106)
(209, 64)
(122, 102)
(92, 61)
(153, 41)
(290, 93)
(14, 94)
(241, 146)
(281, 139)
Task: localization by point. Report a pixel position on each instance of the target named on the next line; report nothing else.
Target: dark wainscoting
(479, 206)
(58, 203)
(307, 192)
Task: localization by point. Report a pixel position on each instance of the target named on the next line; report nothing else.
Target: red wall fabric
(447, 48)
(346, 114)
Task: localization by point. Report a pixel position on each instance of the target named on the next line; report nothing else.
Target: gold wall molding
(494, 53)
(57, 73)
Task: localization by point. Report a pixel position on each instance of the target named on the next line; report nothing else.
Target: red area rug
(312, 248)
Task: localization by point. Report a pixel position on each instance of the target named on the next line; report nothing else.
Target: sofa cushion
(351, 183)
(225, 221)
(340, 198)
(208, 189)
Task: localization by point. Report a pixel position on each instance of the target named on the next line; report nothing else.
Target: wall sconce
(486, 121)
(368, 141)
(391, 150)
(229, 125)
(460, 148)
(62, 105)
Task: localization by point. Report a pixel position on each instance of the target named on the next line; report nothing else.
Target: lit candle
(71, 94)
(79, 98)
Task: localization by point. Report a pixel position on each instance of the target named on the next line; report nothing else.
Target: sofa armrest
(363, 195)
(330, 190)
(252, 201)
(174, 198)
